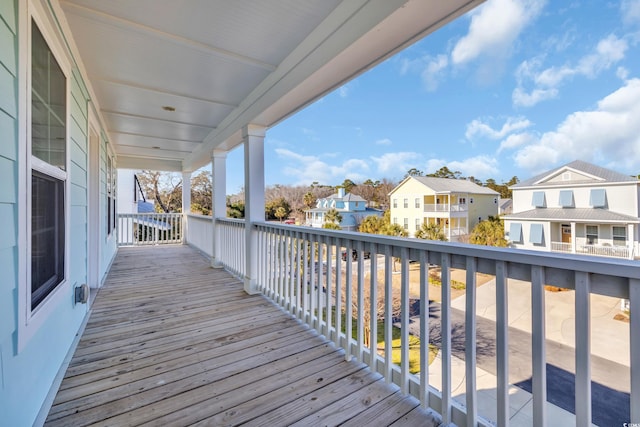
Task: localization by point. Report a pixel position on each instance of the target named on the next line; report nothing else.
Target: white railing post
(634, 337)
(470, 343)
(583, 348)
(538, 346)
(218, 202)
(502, 343)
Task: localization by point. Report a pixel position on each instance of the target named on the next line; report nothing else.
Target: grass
(435, 280)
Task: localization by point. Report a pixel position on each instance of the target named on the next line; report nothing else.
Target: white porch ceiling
(223, 64)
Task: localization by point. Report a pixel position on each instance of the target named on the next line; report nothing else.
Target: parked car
(354, 255)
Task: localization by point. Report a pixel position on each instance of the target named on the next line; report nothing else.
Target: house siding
(28, 372)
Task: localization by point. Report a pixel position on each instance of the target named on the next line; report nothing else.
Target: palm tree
(333, 215)
(489, 233)
(431, 231)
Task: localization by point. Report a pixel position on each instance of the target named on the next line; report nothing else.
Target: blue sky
(513, 88)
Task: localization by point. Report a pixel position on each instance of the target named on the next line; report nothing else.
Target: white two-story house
(457, 205)
(576, 208)
(352, 208)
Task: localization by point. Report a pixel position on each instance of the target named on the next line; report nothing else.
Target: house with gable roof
(576, 208)
(457, 205)
(351, 207)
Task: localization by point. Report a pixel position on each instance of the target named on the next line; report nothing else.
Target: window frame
(31, 319)
(405, 203)
(587, 234)
(417, 202)
(616, 237)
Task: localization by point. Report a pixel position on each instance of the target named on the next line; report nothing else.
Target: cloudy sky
(514, 88)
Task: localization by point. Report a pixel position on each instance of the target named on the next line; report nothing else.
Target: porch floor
(171, 341)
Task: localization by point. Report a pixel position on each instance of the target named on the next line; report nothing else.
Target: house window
(48, 169)
(598, 198)
(538, 200)
(592, 234)
(395, 220)
(406, 203)
(417, 202)
(536, 234)
(515, 232)
(619, 236)
(462, 201)
(406, 223)
(395, 203)
(566, 199)
(417, 224)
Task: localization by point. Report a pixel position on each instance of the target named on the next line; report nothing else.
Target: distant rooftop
(605, 175)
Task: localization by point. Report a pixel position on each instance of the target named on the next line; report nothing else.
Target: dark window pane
(47, 236)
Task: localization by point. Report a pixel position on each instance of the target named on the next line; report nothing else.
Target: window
(48, 169)
(536, 234)
(417, 224)
(462, 201)
(619, 236)
(592, 234)
(406, 223)
(598, 198)
(566, 198)
(417, 202)
(406, 203)
(395, 203)
(395, 220)
(515, 232)
(538, 200)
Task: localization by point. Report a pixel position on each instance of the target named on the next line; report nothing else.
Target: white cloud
(622, 73)
(343, 91)
(608, 134)
(397, 164)
(630, 11)
(307, 169)
(494, 28)
(480, 167)
(433, 72)
(516, 140)
(478, 128)
(384, 141)
(607, 52)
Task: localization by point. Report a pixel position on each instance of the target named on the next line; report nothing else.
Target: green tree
(332, 215)
(372, 224)
(201, 190)
(348, 185)
(272, 205)
(489, 233)
(309, 199)
(235, 209)
(414, 172)
(280, 213)
(444, 172)
(431, 231)
(331, 226)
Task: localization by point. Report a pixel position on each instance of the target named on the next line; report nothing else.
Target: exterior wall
(526, 235)
(411, 190)
(483, 206)
(30, 362)
(126, 202)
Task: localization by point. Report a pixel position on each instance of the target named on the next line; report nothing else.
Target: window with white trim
(48, 170)
(406, 223)
(619, 236)
(592, 234)
(406, 203)
(417, 224)
(395, 203)
(417, 202)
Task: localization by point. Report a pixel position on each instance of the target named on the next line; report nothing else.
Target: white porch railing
(299, 270)
(199, 233)
(232, 245)
(444, 207)
(149, 229)
(598, 250)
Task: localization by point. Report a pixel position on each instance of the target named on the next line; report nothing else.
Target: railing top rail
(230, 220)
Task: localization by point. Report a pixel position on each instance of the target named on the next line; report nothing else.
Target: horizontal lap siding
(8, 196)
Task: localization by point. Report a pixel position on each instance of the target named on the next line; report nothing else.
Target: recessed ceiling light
(168, 108)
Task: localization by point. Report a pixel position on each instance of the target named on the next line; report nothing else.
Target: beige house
(456, 205)
(576, 208)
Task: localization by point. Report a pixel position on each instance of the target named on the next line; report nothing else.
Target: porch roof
(573, 214)
(173, 81)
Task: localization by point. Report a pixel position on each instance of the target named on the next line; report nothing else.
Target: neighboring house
(576, 208)
(352, 208)
(457, 205)
(506, 206)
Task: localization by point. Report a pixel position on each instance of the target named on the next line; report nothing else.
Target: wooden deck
(171, 341)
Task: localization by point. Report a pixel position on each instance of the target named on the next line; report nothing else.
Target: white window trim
(30, 321)
(586, 233)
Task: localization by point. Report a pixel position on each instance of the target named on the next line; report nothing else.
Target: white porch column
(631, 239)
(573, 237)
(253, 138)
(186, 203)
(218, 202)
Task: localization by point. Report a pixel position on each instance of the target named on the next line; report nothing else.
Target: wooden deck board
(171, 341)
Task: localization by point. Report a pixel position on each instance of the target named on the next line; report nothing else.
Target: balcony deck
(171, 341)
